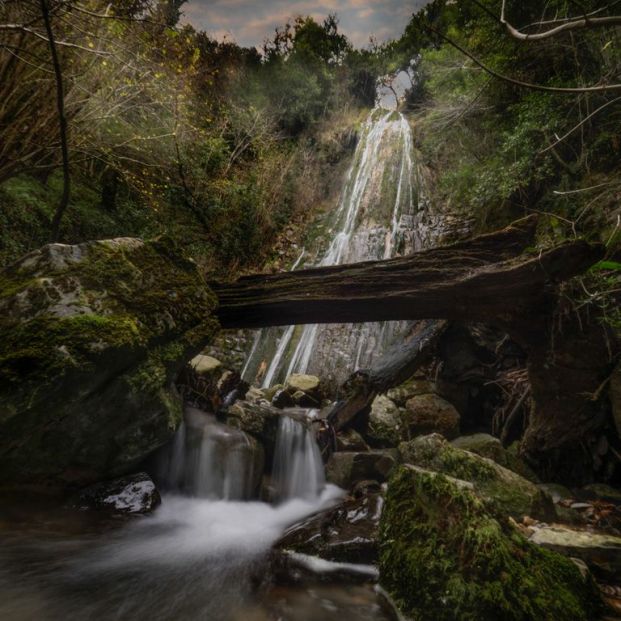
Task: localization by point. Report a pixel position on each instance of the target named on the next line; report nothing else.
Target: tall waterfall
(380, 214)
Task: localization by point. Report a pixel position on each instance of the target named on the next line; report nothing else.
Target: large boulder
(510, 492)
(92, 337)
(429, 413)
(413, 387)
(445, 555)
(303, 383)
(488, 446)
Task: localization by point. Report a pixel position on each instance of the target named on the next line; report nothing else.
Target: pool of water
(191, 559)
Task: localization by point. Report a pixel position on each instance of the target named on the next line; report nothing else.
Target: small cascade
(298, 470)
(207, 459)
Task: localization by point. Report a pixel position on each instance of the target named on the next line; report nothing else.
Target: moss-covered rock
(445, 555)
(488, 446)
(91, 339)
(511, 493)
(429, 413)
(385, 427)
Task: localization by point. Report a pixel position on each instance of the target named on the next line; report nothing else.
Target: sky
(249, 22)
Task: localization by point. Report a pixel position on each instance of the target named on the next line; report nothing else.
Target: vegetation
(168, 130)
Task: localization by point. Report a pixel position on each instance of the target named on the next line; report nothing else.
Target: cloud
(249, 22)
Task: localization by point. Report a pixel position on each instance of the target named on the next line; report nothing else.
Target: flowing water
(200, 556)
(382, 213)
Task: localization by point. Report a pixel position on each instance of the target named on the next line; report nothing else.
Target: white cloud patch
(250, 22)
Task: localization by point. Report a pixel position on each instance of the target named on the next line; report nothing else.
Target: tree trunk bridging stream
(487, 278)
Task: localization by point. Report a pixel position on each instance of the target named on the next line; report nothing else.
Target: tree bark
(62, 122)
(486, 278)
(396, 366)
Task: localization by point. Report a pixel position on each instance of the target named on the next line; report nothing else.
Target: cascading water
(298, 468)
(380, 214)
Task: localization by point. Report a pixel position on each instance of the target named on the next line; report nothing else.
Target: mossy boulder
(512, 494)
(445, 554)
(488, 446)
(92, 337)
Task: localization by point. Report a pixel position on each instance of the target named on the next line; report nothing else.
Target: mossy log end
(487, 278)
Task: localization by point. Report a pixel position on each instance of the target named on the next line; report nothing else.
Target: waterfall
(207, 459)
(298, 468)
(378, 216)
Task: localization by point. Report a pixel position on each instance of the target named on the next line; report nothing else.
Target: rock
(270, 392)
(259, 419)
(92, 337)
(385, 426)
(615, 396)
(256, 395)
(304, 400)
(305, 383)
(289, 567)
(488, 446)
(413, 387)
(430, 414)
(445, 555)
(132, 494)
(282, 399)
(345, 533)
(510, 492)
(205, 365)
(601, 491)
(602, 552)
(350, 440)
(555, 491)
(347, 469)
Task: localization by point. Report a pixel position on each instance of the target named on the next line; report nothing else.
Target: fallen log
(485, 278)
(396, 366)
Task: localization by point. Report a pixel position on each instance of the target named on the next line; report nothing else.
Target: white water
(207, 459)
(374, 220)
(298, 470)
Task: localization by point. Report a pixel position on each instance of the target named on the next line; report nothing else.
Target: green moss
(514, 494)
(47, 344)
(445, 556)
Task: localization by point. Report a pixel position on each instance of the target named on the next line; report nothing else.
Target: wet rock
(305, 383)
(350, 440)
(345, 533)
(282, 399)
(443, 549)
(92, 337)
(488, 446)
(602, 552)
(411, 388)
(430, 414)
(304, 400)
(347, 469)
(289, 567)
(257, 396)
(385, 426)
(132, 494)
(205, 365)
(510, 492)
(258, 419)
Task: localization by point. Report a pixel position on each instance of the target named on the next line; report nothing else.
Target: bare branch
(536, 87)
(572, 24)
